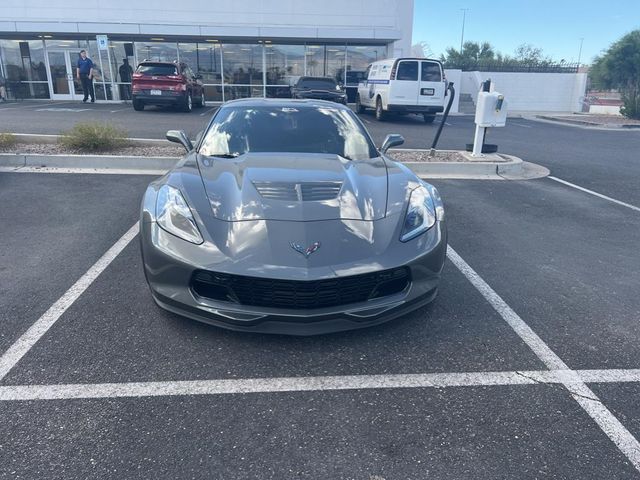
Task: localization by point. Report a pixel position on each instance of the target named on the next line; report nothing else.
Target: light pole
(464, 16)
(580, 51)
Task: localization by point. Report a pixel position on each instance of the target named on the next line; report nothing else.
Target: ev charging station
(491, 111)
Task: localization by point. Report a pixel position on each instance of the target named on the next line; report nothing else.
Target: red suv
(166, 83)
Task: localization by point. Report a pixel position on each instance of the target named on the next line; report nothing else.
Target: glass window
(320, 83)
(359, 57)
(284, 66)
(157, 69)
(407, 71)
(335, 62)
(242, 64)
(205, 60)
(157, 51)
(242, 129)
(24, 68)
(431, 72)
(315, 60)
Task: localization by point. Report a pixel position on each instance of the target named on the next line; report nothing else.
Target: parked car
(403, 85)
(166, 83)
(284, 217)
(319, 88)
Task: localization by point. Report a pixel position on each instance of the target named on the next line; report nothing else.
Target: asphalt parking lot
(527, 365)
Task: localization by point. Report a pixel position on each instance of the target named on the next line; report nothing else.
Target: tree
(619, 68)
(527, 54)
(472, 53)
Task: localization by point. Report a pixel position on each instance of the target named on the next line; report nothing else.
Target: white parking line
(20, 348)
(591, 192)
(208, 111)
(520, 125)
(315, 384)
(585, 397)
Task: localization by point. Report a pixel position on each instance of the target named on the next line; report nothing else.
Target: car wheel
(379, 111)
(359, 106)
(138, 105)
(188, 103)
(428, 118)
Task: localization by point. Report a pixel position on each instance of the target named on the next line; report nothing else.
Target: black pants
(87, 88)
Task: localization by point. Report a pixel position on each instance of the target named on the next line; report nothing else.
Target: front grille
(306, 192)
(295, 294)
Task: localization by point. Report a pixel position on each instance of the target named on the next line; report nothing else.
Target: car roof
(153, 62)
(284, 102)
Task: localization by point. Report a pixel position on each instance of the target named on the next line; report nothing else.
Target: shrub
(94, 137)
(7, 140)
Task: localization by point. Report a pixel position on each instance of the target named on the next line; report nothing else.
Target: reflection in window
(407, 71)
(335, 62)
(157, 51)
(240, 129)
(359, 57)
(315, 60)
(242, 64)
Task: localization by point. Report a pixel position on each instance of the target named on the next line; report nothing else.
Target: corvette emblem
(305, 251)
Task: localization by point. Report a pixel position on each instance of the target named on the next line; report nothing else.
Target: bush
(7, 140)
(94, 137)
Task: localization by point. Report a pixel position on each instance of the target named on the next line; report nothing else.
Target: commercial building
(241, 48)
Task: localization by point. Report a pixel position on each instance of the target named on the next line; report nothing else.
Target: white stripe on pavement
(585, 397)
(306, 384)
(591, 192)
(20, 348)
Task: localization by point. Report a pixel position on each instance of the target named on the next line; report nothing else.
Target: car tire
(428, 118)
(187, 106)
(138, 106)
(380, 114)
(201, 103)
(359, 107)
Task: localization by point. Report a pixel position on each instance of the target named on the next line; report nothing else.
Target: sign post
(103, 42)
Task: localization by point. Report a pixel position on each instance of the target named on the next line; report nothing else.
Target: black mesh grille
(264, 292)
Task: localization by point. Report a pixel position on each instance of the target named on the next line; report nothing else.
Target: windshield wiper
(225, 155)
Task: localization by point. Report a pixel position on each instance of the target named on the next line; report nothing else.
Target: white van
(403, 85)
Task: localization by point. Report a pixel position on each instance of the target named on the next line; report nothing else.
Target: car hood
(294, 187)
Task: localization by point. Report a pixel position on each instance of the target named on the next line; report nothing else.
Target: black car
(319, 88)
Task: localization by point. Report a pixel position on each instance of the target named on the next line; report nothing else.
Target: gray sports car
(285, 218)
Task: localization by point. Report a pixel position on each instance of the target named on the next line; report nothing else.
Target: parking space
(472, 432)
(54, 227)
(116, 387)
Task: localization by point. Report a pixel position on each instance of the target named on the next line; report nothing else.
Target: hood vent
(306, 192)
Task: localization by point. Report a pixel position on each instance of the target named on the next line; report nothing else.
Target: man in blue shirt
(85, 75)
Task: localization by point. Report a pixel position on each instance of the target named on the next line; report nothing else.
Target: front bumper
(170, 263)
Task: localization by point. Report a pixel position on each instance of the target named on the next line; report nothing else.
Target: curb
(53, 139)
(475, 168)
(479, 169)
(116, 162)
(587, 124)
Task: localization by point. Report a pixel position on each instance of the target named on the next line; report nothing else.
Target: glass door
(64, 85)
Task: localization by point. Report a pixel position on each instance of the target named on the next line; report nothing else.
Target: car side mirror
(392, 140)
(178, 136)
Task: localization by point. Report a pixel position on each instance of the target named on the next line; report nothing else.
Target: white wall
(539, 92)
(327, 19)
(605, 109)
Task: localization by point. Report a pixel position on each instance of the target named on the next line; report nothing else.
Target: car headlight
(425, 207)
(174, 216)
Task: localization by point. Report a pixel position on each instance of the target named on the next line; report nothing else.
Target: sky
(556, 26)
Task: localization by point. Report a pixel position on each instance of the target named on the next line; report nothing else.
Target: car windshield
(319, 83)
(157, 69)
(237, 130)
